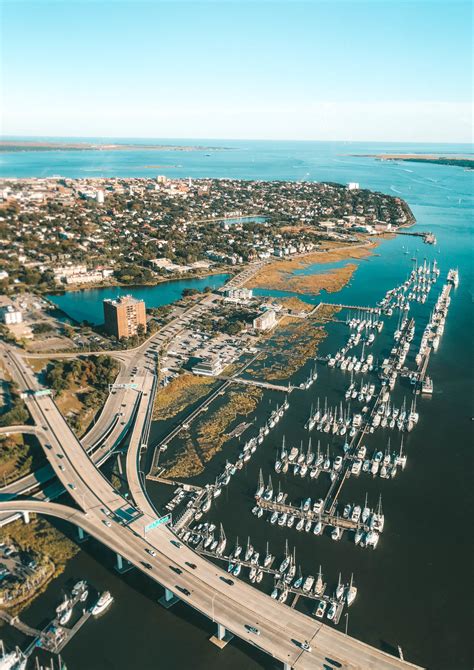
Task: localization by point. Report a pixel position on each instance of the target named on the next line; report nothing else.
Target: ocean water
(414, 589)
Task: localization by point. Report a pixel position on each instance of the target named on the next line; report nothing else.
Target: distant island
(457, 161)
(32, 145)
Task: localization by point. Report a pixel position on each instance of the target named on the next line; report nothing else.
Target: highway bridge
(128, 530)
(117, 415)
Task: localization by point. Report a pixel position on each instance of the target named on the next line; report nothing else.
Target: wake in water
(395, 190)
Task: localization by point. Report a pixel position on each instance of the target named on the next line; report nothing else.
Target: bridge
(116, 416)
(127, 529)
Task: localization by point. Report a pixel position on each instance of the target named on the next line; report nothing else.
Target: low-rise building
(265, 321)
(238, 294)
(9, 313)
(209, 367)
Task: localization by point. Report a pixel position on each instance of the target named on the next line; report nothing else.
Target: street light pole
(347, 621)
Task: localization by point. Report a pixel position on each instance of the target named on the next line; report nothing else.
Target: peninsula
(437, 159)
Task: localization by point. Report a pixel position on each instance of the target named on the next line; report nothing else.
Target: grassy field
(280, 274)
(180, 392)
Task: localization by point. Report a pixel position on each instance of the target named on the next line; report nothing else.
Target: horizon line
(224, 139)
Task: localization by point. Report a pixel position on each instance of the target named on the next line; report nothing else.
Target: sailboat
(286, 561)
(222, 542)
(319, 585)
(351, 592)
(268, 560)
(238, 548)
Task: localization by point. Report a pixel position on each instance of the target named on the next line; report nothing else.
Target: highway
(102, 513)
(118, 411)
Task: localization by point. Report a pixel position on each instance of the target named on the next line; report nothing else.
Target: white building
(353, 186)
(265, 321)
(238, 294)
(9, 314)
(100, 197)
(209, 367)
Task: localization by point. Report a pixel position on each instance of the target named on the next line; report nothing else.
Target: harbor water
(414, 588)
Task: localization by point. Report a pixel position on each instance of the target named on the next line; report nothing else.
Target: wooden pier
(362, 308)
(19, 625)
(253, 382)
(428, 237)
(326, 518)
(68, 633)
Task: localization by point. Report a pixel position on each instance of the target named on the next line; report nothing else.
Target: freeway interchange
(124, 526)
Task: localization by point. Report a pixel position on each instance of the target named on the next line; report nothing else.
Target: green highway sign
(158, 522)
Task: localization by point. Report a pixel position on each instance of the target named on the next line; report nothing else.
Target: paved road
(282, 629)
(119, 408)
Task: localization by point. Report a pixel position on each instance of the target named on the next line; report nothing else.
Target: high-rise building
(123, 316)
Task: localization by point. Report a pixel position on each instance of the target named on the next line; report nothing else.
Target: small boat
(321, 609)
(103, 602)
(332, 611)
(336, 533)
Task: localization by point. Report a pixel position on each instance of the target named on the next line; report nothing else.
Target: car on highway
(176, 543)
(107, 523)
(183, 590)
(230, 582)
(72, 486)
(190, 565)
(61, 467)
(150, 551)
(146, 565)
(252, 629)
(60, 455)
(177, 570)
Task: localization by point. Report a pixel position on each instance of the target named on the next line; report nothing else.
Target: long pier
(428, 237)
(362, 308)
(19, 625)
(265, 385)
(327, 518)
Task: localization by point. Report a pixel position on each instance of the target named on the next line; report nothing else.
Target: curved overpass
(233, 606)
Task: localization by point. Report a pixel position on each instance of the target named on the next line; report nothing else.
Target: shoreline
(456, 160)
(68, 288)
(281, 275)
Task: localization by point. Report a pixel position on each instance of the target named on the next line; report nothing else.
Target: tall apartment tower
(123, 316)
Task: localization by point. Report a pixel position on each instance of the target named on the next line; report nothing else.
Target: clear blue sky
(377, 70)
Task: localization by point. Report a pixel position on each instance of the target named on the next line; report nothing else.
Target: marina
(369, 407)
(414, 555)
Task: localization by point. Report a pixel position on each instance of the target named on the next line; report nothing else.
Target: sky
(378, 70)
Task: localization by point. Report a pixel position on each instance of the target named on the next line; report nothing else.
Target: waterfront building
(210, 367)
(265, 321)
(353, 186)
(122, 316)
(238, 294)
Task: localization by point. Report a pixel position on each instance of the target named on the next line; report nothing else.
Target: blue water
(413, 589)
(86, 305)
(244, 219)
